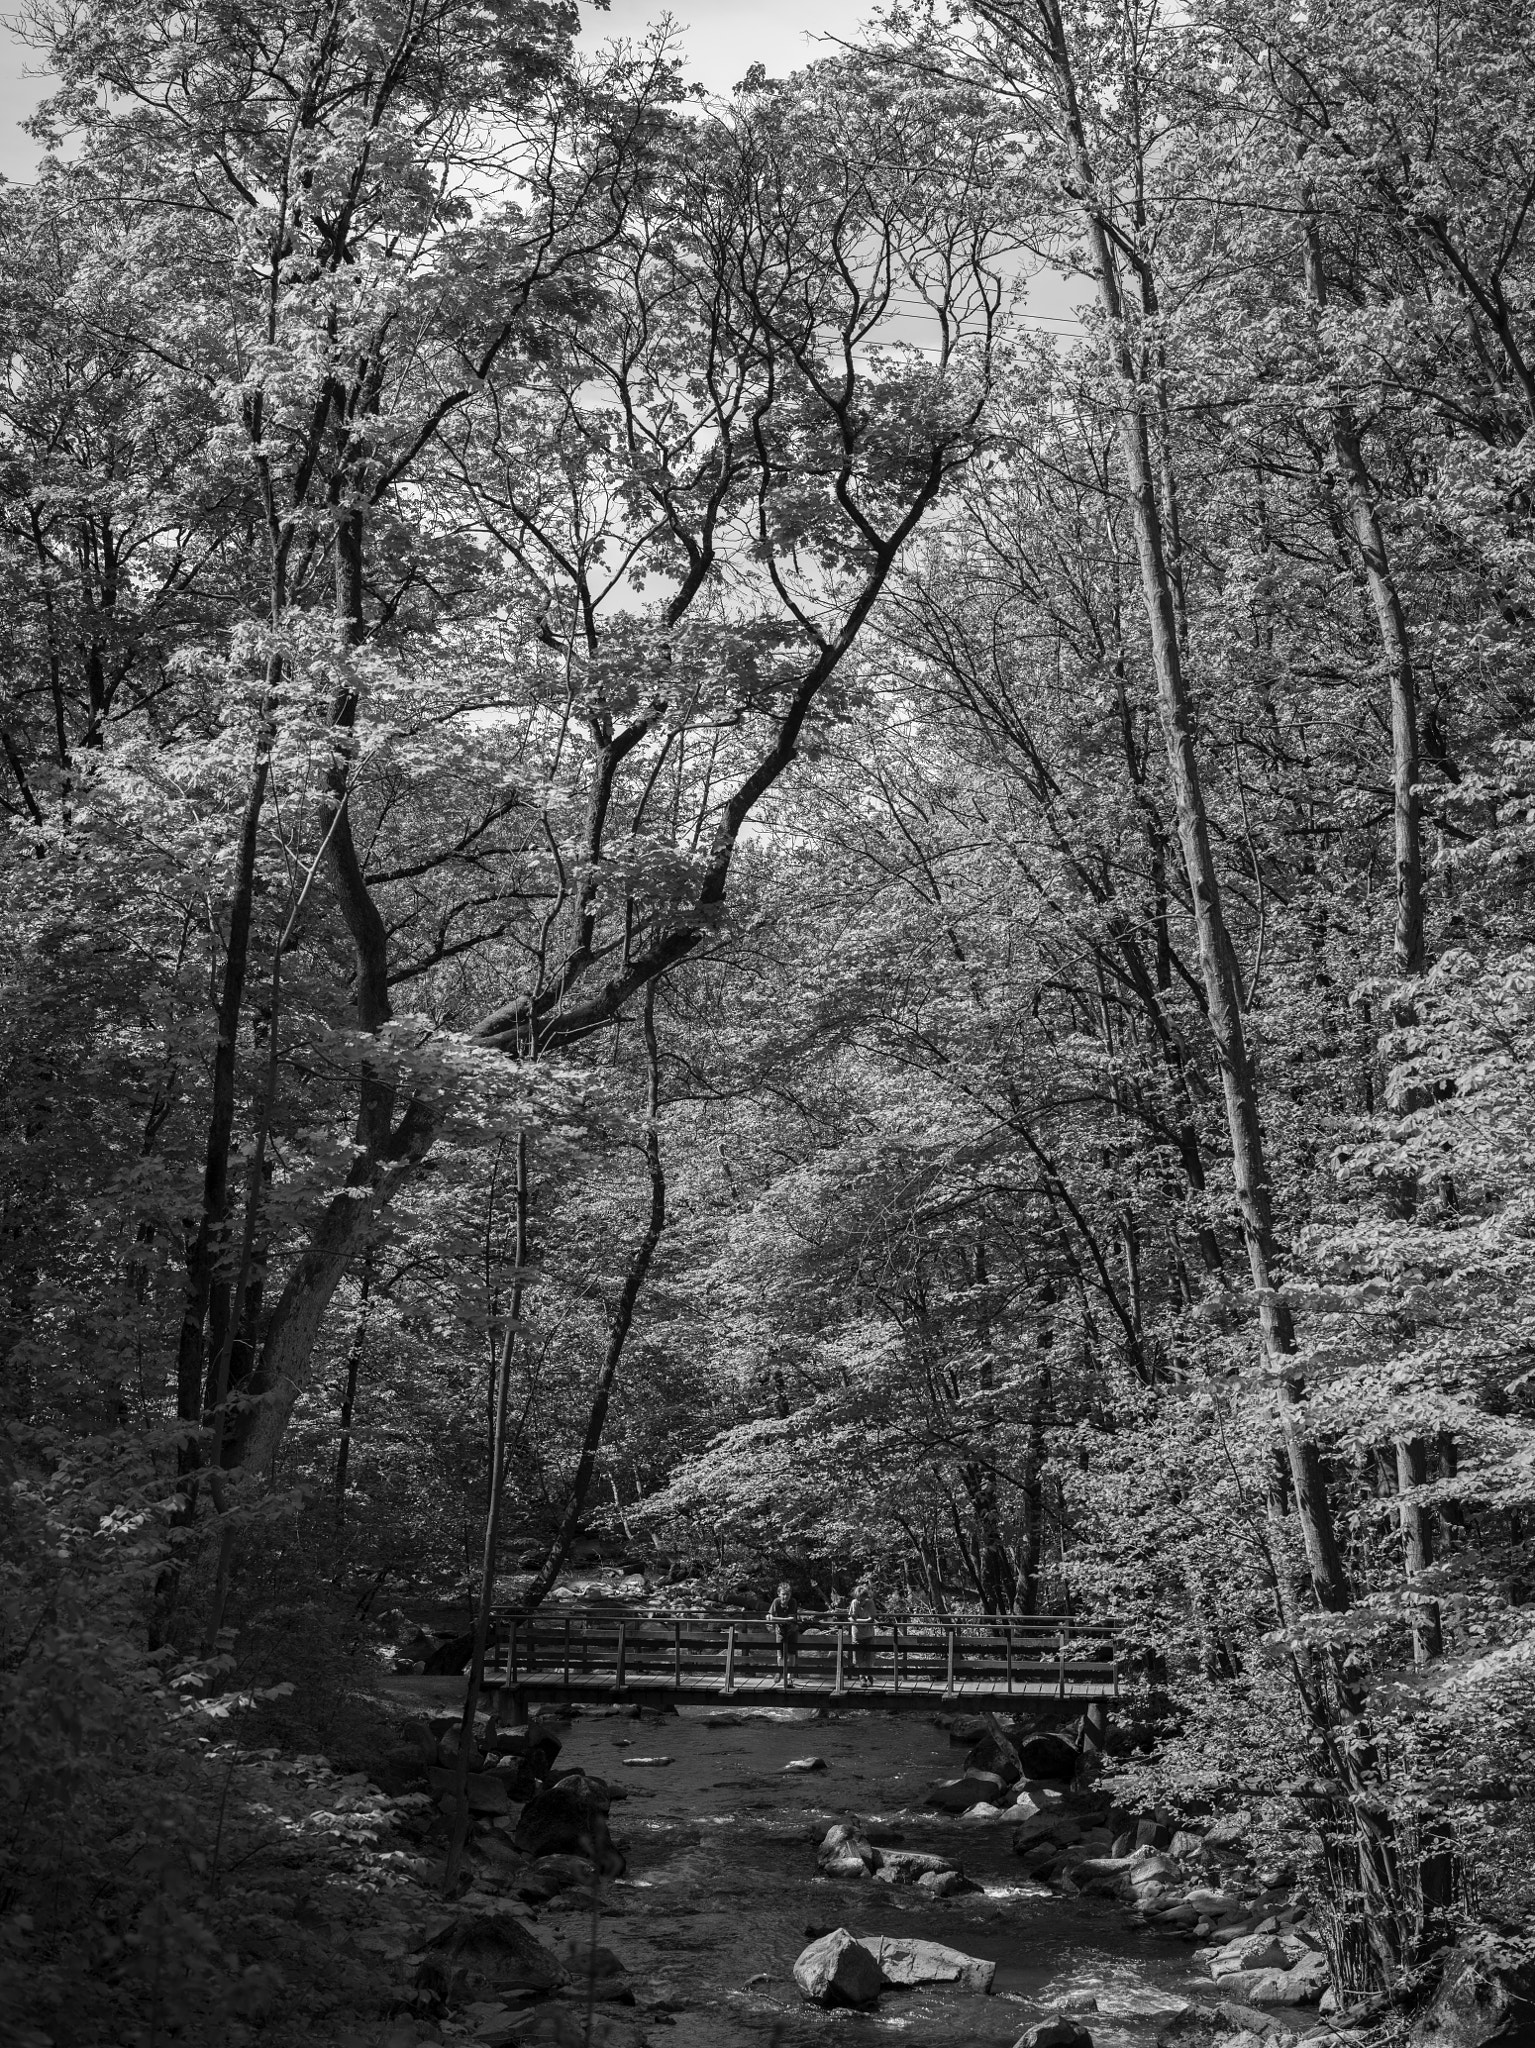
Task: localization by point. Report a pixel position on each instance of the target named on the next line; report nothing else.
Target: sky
(722, 39)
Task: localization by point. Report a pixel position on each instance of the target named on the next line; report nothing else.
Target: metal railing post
(730, 1657)
(838, 1685)
(1009, 1658)
(677, 1655)
(567, 1650)
(1061, 1681)
(622, 1649)
(948, 1684)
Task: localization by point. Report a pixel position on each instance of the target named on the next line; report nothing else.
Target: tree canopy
(634, 905)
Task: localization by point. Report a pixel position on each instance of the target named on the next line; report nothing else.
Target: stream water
(722, 1890)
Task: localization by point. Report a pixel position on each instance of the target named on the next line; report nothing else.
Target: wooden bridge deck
(711, 1659)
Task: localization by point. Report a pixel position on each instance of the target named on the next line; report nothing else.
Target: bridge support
(1095, 1730)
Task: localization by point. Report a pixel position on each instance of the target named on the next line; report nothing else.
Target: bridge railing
(903, 1652)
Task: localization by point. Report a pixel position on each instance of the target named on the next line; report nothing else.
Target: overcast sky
(722, 38)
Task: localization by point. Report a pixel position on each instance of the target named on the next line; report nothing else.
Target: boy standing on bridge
(783, 1620)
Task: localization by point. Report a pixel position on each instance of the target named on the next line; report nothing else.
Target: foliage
(483, 561)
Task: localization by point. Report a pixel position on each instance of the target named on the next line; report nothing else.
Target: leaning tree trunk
(1408, 1455)
(1217, 956)
(207, 1244)
(618, 1330)
(1407, 1460)
(1396, 647)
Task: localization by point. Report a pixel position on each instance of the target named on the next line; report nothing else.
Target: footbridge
(983, 1662)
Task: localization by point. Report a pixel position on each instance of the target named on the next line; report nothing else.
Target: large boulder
(485, 1792)
(1258, 1952)
(846, 1852)
(837, 1970)
(1304, 1985)
(1181, 1915)
(967, 1729)
(494, 1852)
(907, 1866)
(1215, 1905)
(570, 1819)
(485, 1955)
(1246, 2019)
(1306, 1981)
(958, 1795)
(1259, 1987)
(594, 1971)
(1059, 1828)
(904, 1960)
(1481, 1998)
(534, 1746)
(551, 1875)
(996, 1754)
(1056, 2032)
(1106, 1875)
(1138, 1876)
(1047, 1756)
(1224, 2022)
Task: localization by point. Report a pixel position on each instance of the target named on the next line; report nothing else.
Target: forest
(684, 893)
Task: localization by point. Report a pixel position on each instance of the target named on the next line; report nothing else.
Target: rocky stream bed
(698, 1938)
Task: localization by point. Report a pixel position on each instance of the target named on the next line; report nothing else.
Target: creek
(722, 1890)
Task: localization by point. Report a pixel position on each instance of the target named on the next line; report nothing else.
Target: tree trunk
(492, 1543)
(292, 1324)
(1218, 963)
(1396, 646)
(996, 1581)
(349, 1390)
(1032, 1550)
(1418, 1546)
(207, 1242)
(618, 1330)
(1451, 1513)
